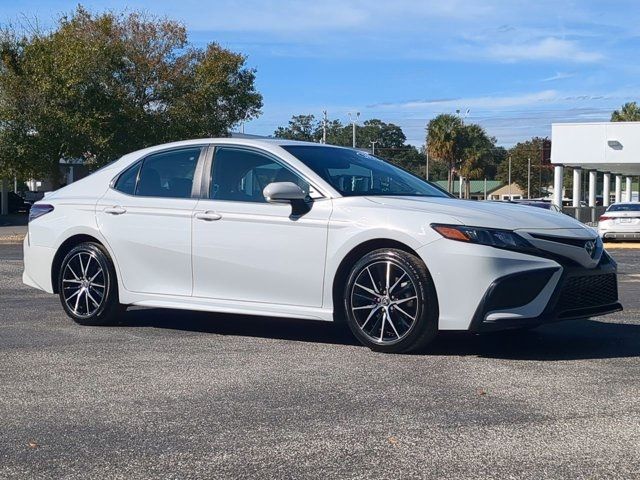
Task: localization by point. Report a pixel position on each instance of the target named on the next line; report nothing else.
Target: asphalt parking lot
(189, 395)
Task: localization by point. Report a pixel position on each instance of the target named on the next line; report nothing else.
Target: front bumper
(578, 293)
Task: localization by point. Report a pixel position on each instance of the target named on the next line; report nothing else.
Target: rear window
(624, 207)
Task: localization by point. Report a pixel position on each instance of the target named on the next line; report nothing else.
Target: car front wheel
(87, 286)
(390, 302)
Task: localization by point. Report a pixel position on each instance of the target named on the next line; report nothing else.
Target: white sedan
(302, 230)
(621, 221)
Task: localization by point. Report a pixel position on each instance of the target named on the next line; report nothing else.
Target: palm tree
(476, 150)
(443, 142)
(630, 112)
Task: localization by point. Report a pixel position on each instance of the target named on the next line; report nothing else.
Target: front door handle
(116, 210)
(208, 216)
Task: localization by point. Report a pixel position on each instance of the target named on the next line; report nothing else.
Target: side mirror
(283, 192)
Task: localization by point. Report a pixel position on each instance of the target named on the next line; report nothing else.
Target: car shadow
(570, 340)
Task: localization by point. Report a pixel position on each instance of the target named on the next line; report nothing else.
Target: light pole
(426, 150)
(353, 123)
(510, 178)
(324, 126)
(529, 178)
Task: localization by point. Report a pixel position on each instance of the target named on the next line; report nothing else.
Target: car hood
(506, 216)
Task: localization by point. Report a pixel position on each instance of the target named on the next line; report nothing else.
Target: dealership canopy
(608, 148)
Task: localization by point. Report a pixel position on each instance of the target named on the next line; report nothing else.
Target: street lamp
(353, 123)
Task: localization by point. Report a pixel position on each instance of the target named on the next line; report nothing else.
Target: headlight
(483, 236)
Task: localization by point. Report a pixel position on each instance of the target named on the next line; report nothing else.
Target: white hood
(506, 216)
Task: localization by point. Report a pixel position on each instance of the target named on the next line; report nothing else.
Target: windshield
(622, 207)
(356, 173)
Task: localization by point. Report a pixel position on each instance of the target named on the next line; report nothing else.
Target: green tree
(629, 112)
(98, 86)
(521, 154)
(300, 127)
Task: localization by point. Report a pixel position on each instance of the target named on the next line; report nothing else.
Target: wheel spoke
(367, 289)
(392, 325)
(77, 292)
(373, 282)
(396, 302)
(76, 277)
(402, 311)
(388, 277)
(397, 282)
(369, 318)
(384, 319)
(71, 280)
(75, 309)
(91, 298)
(86, 267)
(365, 307)
(81, 264)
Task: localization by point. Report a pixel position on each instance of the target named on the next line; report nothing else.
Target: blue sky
(517, 66)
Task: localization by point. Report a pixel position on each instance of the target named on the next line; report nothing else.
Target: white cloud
(549, 48)
(557, 76)
(484, 102)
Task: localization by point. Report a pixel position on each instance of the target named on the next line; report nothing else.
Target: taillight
(604, 217)
(38, 210)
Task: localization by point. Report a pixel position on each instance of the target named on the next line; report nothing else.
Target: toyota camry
(301, 230)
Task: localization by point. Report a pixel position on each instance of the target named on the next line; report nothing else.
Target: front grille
(588, 291)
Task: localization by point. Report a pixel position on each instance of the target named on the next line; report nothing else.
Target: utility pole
(353, 123)
(529, 177)
(373, 146)
(324, 126)
(426, 152)
(509, 177)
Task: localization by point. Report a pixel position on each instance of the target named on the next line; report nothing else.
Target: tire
(87, 286)
(398, 316)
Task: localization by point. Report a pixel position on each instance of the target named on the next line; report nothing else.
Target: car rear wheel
(87, 286)
(390, 302)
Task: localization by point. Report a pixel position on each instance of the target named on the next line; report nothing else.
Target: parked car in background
(17, 204)
(621, 221)
(304, 230)
(545, 204)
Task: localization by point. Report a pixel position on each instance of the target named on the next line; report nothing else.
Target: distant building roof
(476, 186)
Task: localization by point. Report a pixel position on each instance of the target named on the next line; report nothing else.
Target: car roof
(257, 142)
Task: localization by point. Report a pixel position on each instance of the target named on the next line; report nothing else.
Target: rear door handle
(208, 216)
(116, 210)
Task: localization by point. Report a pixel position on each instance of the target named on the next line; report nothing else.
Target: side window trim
(211, 165)
(198, 174)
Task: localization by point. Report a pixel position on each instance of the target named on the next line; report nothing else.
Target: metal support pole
(558, 175)
(593, 180)
(628, 191)
(606, 189)
(618, 188)
(461, 183)
(577, 184)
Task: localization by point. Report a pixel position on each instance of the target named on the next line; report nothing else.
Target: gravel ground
(190, 395)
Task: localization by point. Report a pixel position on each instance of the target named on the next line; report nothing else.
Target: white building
(608, 149)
